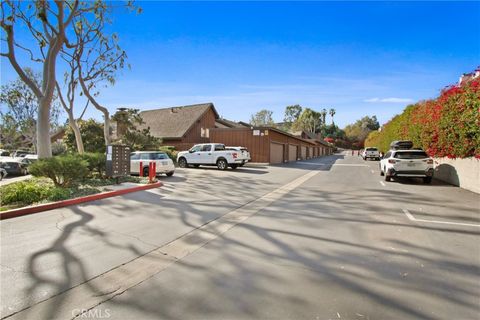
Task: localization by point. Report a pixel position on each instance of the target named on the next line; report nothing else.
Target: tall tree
(50, 25)
(95, 57)
(324, 116)
(18, 120)
(67, 100)
(47, 22)
(358, 131)
(332, 113)
(309, 121)
(262, 118)
(132, 132)
(291, 114)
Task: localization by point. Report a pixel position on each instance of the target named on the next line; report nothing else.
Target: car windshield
(371, 149)
(411, 155)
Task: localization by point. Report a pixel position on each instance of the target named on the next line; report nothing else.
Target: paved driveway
(11, 179)
(320, 239)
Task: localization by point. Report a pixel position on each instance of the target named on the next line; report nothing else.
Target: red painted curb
(64, 203)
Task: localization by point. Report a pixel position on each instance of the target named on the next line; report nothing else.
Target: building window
(204, 133)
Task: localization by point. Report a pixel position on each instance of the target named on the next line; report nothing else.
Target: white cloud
(389, 100)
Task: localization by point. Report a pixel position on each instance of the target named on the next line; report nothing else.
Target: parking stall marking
(383, 183)
(412, 218)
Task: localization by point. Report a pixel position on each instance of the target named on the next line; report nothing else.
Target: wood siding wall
(258, 146)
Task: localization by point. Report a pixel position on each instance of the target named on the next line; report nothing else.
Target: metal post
(140, 172)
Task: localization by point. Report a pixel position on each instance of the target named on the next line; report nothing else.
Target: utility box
(118, 161)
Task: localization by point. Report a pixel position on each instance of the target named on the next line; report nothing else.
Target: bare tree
(47, 22)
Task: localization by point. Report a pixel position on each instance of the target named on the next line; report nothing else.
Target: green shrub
(447, 126)
(96, 163)
(57, 194)
(64, 171)
(59, 148)
(170, 152)
(24, 192)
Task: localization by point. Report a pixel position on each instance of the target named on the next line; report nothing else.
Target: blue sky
(361, 58)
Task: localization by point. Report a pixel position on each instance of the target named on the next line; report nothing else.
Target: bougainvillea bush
(448, 126)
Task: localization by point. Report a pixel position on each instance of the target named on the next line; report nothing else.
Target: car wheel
(427, 180)
(241, 165)
(234, 166)
(381, 172)
(222, 164)
(169, 174)
(387, 177)
(145, 172)
(182, 163)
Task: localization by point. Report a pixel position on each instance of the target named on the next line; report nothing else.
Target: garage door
(310, 152)
(292, 153)
(276, 153)
(304, 153)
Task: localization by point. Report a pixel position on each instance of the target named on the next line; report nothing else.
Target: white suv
(371, 153)
(163, 164)
(407, 163)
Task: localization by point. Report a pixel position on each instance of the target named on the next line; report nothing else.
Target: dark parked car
(15, 166)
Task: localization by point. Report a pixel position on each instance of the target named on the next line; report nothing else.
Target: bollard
(140, 171)
(154, 170)
(150, 171)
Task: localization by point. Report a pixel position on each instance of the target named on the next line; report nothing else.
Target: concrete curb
(64, 203)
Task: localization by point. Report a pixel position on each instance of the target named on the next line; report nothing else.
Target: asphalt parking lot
(324, 238)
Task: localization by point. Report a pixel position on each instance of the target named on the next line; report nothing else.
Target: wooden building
(181, 127)
(270, 145)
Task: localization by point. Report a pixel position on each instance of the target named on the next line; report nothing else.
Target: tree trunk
(76, 131)
(106, 114)
(44, 148)
(106, 128)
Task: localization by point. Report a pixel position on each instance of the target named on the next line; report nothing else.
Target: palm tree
(332, 113)
(324, 116)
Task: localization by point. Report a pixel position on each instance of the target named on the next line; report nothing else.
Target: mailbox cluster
(118, 161)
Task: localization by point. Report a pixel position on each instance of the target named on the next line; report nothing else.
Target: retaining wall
(464, 173)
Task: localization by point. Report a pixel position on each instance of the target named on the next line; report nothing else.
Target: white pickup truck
(209, 154)
(243, 154)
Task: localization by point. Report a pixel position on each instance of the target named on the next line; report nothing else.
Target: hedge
(448, 126)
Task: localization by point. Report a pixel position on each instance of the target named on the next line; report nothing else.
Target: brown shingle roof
(224, 123)
(174, 122)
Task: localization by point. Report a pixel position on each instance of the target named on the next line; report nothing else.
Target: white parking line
(412, 218)
(383, 183)
(350, 165)
(372, 171)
